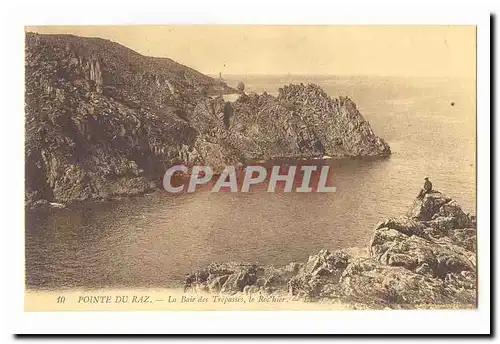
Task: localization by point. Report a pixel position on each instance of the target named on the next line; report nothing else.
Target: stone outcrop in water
(302, 121)
(103, 121)
(410, 262)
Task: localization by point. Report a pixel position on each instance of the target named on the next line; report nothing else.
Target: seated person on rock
(426, 189)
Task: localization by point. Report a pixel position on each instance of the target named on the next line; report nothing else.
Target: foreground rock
(409, 263)
(104, 121)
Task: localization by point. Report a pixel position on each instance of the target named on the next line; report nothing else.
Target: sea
(153, 241)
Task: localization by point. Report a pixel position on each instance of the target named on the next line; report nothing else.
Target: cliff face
(303, 121)
(425, 258)
(103, 120)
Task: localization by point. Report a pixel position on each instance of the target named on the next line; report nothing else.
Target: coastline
(130, 125)
(422, 260)
(45, 204)
(427, 256)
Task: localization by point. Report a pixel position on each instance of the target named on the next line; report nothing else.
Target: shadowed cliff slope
(103, 121)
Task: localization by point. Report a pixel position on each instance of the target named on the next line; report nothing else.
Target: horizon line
(340, 75)
(292, 74)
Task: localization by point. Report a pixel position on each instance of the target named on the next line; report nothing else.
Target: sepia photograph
(223, 167)
(199, 170)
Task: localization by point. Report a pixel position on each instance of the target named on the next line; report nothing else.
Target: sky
(424, 51)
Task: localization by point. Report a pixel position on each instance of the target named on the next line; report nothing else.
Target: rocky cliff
(426, 258)
(103, 121)
(302, 121)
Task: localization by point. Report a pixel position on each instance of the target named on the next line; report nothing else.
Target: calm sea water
(153, 241)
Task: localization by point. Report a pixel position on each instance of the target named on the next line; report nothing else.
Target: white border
(226, 12)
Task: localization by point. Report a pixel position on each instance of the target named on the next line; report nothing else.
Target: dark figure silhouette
(426, 189)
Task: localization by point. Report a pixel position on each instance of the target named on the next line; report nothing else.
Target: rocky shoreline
(104, 121)
(426, 258)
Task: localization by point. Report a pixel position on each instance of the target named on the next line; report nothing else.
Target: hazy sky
(434, 51)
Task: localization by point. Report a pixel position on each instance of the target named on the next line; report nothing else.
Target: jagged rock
(440, 225)
(404, 225)
(225, 278)
(303, 121)
(464, 237)
(324, 263)
(424, 209)
(94, 118)
(394, 248)
(98, 112)
(453, 210)
(366, 281)
(96, 75)
(251, 289)
(409, 265)
(437, 250)
(216, 284)
(238, 280)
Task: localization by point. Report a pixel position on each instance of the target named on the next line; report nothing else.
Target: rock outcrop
(409, 263)
(302, 121)
(104, 121)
